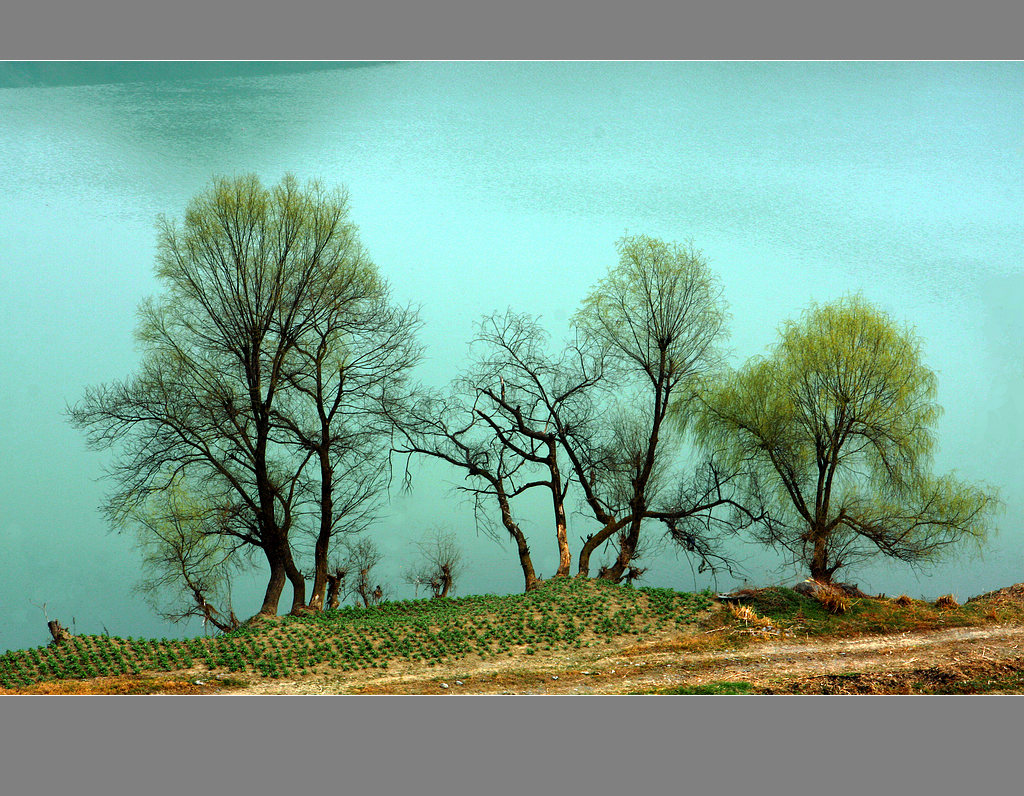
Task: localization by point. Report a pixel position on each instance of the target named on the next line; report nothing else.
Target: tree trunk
(297, 580)
(627, 547)
(593, 542)
(363, 587)
(323, 539)
(531, 581)
(334, 589)
(820, 571)
(564, 555)
(446, 582)
(58, 631)
(275, 586)
(320, 576)
(561, 533)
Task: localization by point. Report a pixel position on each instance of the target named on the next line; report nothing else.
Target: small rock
(458, 682)
(444, 685)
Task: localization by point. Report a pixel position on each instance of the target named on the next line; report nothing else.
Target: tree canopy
(270, 347)
(836, 431)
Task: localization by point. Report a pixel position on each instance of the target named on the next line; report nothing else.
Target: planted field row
(562, 615)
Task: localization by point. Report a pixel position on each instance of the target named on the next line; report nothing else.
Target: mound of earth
(1009, 595)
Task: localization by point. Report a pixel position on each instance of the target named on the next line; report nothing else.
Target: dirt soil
(899, 663)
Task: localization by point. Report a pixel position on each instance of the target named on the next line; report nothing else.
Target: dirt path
(896, 663)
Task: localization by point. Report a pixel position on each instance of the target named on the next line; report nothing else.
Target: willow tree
(189, 554)
(251, 278)
(659, 318)
(836, 429)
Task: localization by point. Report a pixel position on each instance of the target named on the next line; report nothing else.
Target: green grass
(563, 614)
(788, 609)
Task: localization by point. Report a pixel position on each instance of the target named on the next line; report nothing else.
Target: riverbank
(570, 637)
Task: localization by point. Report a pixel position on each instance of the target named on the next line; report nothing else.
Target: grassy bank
(565, 619)
(563, 615)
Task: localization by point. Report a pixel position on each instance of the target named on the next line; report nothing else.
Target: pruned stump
(58, 631)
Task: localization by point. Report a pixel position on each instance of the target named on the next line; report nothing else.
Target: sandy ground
(896, 663)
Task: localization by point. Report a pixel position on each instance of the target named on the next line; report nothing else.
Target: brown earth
(899, 663)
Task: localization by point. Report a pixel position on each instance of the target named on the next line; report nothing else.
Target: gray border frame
(490, 745)
(471, 29)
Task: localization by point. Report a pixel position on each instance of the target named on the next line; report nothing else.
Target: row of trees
(275, 388)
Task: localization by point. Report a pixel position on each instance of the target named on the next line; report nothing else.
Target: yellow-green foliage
(662, 297)
(836, 429)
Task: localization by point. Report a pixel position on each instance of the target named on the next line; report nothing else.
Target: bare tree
(532, 403)
(448, 428)
(440, 566)
(356, 572)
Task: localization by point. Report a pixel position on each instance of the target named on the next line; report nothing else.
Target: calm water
(483, 186)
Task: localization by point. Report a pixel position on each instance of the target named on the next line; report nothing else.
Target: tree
(256, 281)
(448, 428)
(361, 557)
(351, 363)
(187, 559)
(440, 564)
(660, 317)
(532, 403)
(593, 418)
(835, 429)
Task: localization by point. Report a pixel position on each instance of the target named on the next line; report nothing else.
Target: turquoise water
(480, 186)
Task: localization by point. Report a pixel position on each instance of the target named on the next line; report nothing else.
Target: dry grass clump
(946, 602)
(833, 597)
(834, 601)
(1009, 595)
(749, 616)
(903, 601)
